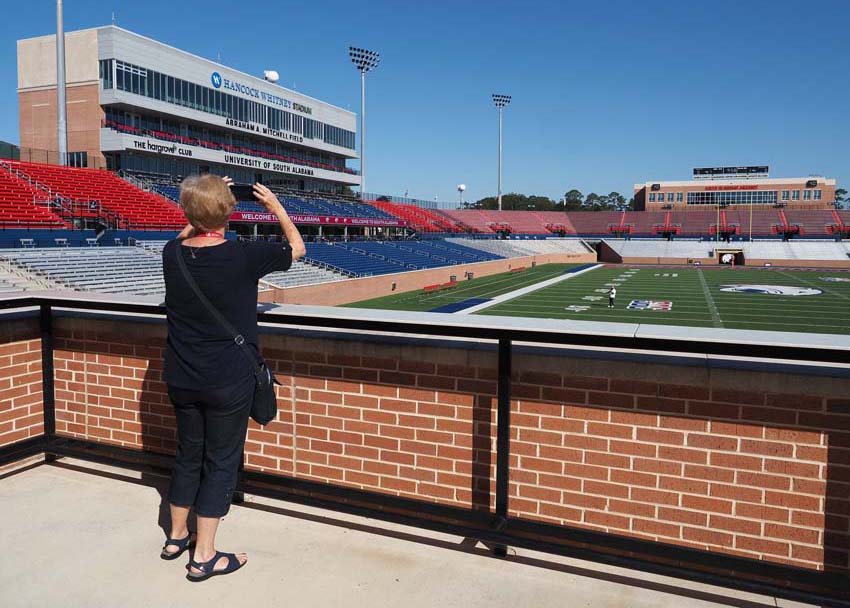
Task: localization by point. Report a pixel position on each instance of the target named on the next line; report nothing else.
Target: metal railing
(496, 527)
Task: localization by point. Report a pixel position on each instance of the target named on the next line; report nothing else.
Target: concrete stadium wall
(734, 461)
(800, 263)
(748, 262)
(355, 290)
(608, 254)
(21, 414)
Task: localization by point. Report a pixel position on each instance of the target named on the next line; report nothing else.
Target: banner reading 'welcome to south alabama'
(253, 217)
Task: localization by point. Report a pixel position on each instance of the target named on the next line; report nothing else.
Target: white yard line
(521, 292)
(712, 307)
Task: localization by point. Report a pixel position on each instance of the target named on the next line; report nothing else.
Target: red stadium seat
(136, 208)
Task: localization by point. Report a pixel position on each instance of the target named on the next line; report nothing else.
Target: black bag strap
(237, 337)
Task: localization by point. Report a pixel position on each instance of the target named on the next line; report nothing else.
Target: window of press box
(149, 83)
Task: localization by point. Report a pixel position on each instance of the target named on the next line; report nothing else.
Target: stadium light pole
(364, 60)
(62, 126)
(501, 101)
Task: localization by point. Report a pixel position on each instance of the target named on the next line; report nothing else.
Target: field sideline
(696, 297)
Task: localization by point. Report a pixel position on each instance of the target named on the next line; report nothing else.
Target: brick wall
(752, 463)
(20, 381)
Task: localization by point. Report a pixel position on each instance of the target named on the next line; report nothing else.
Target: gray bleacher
(131, 270)
(513, 248)
(128, 270)
(301, 274)
(798, 249)
(681, 248)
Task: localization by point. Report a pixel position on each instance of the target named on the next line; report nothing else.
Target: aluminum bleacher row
(798, 249)
(513, 248)
(363, 258)
(300, 273)
(128, 270)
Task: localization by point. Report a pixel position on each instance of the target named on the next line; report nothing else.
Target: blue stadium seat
(384, 257)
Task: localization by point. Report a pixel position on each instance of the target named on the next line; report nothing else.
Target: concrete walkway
(77, 534)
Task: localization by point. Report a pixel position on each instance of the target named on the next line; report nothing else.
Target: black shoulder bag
(264, 407)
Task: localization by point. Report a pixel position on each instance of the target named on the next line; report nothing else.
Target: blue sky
(605, 94)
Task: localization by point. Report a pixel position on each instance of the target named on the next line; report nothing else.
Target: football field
(774, 299)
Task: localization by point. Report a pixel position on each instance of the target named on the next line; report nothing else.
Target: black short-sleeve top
(200, 354)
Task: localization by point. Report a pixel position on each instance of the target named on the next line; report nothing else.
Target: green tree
(513, 201)
(573, 200)
(616, 202)
(592, 202)
(841, 199)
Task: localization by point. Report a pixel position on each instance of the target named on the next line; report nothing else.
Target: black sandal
(207, 568)
(181, 543)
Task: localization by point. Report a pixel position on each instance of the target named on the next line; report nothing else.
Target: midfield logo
(773, 290)
(663, 305)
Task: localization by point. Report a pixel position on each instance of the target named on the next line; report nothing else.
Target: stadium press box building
(140, 105)
(735, 187)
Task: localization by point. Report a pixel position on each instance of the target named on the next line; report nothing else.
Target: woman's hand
(267, 199)
(228, 180)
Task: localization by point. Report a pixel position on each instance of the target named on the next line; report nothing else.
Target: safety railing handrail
(789, 347)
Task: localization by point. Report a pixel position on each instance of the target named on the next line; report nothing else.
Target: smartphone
(243, 192)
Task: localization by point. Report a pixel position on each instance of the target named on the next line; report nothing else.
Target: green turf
(696, 297)
(485, 287)
(694, 292)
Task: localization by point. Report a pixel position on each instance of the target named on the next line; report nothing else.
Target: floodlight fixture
(364, 60)
(501, 100)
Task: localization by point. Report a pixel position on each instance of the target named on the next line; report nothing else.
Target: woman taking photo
(210, 381)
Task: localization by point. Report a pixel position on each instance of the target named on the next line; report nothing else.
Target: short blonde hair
(207, 201)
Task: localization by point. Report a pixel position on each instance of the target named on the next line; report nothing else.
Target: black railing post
(47, 384)
(503, 440)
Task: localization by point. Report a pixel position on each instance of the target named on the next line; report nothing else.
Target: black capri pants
(211, 429)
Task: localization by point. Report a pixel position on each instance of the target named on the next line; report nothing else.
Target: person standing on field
(612, 294)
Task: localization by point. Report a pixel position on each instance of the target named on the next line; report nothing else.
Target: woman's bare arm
(268, 200)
